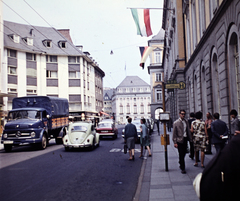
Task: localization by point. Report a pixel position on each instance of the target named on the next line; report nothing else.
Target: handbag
(125, 148)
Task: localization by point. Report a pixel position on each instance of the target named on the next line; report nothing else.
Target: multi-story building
(202, 49)
(107, 101)
(132, 98)
(44, 61)
(156, 73)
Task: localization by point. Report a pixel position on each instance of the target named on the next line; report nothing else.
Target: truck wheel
(8, 147)
(43, 144)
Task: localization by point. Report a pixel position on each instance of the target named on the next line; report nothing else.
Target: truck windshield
(24, 114)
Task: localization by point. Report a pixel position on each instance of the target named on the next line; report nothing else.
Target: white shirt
(184, 127)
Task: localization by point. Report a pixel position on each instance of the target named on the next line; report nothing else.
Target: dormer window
(62, 44)
(47, 43)
(28, 41)
(14, 38)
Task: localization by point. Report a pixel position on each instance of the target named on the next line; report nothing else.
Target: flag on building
(142, 21)
(145, 51)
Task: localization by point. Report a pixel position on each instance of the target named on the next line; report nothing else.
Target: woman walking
(199, 138)
(208, 131)
(144, 139)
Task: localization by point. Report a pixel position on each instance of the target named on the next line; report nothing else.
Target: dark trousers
(219, 146)
(182, 152)
(191, 150)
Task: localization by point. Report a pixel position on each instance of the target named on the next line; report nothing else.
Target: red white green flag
(142, 21)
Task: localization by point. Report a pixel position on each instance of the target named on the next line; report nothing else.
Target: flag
(145, 51)
(142, 21)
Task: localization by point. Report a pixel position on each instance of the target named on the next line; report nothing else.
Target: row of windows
(49, 58)
(133, 89)
(29, 41)
(135, 109)
(29, 91)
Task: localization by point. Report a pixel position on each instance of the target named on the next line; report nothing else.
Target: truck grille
(19, 135)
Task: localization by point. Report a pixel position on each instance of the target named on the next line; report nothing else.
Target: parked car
(107, 128)
(81, 135)
(137, 124)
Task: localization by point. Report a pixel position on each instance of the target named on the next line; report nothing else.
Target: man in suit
(220, 179)
(219, 129)
(181, 134)
(130, 135)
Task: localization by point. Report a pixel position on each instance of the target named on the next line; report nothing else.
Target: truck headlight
(5, 135)
(33, 134)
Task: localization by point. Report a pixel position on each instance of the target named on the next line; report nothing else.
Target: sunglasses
(182, 113)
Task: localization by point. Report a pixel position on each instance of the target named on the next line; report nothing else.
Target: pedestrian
(144, 139)
(199, 138)
(219, 129)
(181, 134)
(220, 179)
(190, 120)
(169, 124)
(157, 122)
(208, 131)
(130, 136)
(235, 126)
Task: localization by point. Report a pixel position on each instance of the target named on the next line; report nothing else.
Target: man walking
(181, 134)
(219, 129)
(130, 135)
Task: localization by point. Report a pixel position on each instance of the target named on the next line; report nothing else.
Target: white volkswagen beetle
(81, 135)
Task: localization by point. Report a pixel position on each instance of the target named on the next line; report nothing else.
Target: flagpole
(154, 8)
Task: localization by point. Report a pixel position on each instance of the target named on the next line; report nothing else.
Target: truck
(35, 120)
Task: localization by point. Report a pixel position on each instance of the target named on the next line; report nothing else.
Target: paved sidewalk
(172, 185)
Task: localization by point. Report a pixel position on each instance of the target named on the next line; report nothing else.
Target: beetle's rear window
(79, 128)
(104, 125)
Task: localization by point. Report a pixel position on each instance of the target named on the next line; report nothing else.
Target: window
(149, 108)
(14, 38)
(135, 109)
(84, 85)
(88, 85)
(31, 91)
(121, 109)
(142, 108)
(47, 43)
(12, 53)
(11, 90)
(158, 57)
(62, 44)
(12, 70)
(72, 59)
(128, 108)
(159, 95)
(51, 59)
(158, 77)
(74, 74)
(52, 74)
(31, 57)
(28, 41)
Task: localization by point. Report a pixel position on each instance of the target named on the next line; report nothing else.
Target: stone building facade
(211, 55)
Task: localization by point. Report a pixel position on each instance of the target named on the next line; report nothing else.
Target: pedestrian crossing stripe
(122, 150)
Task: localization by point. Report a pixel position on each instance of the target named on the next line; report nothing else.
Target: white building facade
(132, 98)
(41, 61)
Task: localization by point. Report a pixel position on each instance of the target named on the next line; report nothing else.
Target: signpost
(164, 117)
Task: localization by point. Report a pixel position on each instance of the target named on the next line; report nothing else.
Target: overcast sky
(98, 25)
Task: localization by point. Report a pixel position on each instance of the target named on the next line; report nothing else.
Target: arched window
(135, 108)
(204, 90)
(215, 84)
(234, 70)
(128, 108)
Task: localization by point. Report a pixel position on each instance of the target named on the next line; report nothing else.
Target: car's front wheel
(43, 144)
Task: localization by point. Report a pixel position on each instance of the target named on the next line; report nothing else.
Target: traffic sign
(180, 85)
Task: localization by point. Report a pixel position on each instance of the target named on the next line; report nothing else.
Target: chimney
(66, 34)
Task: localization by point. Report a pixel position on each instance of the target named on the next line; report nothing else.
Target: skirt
(131, 143)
